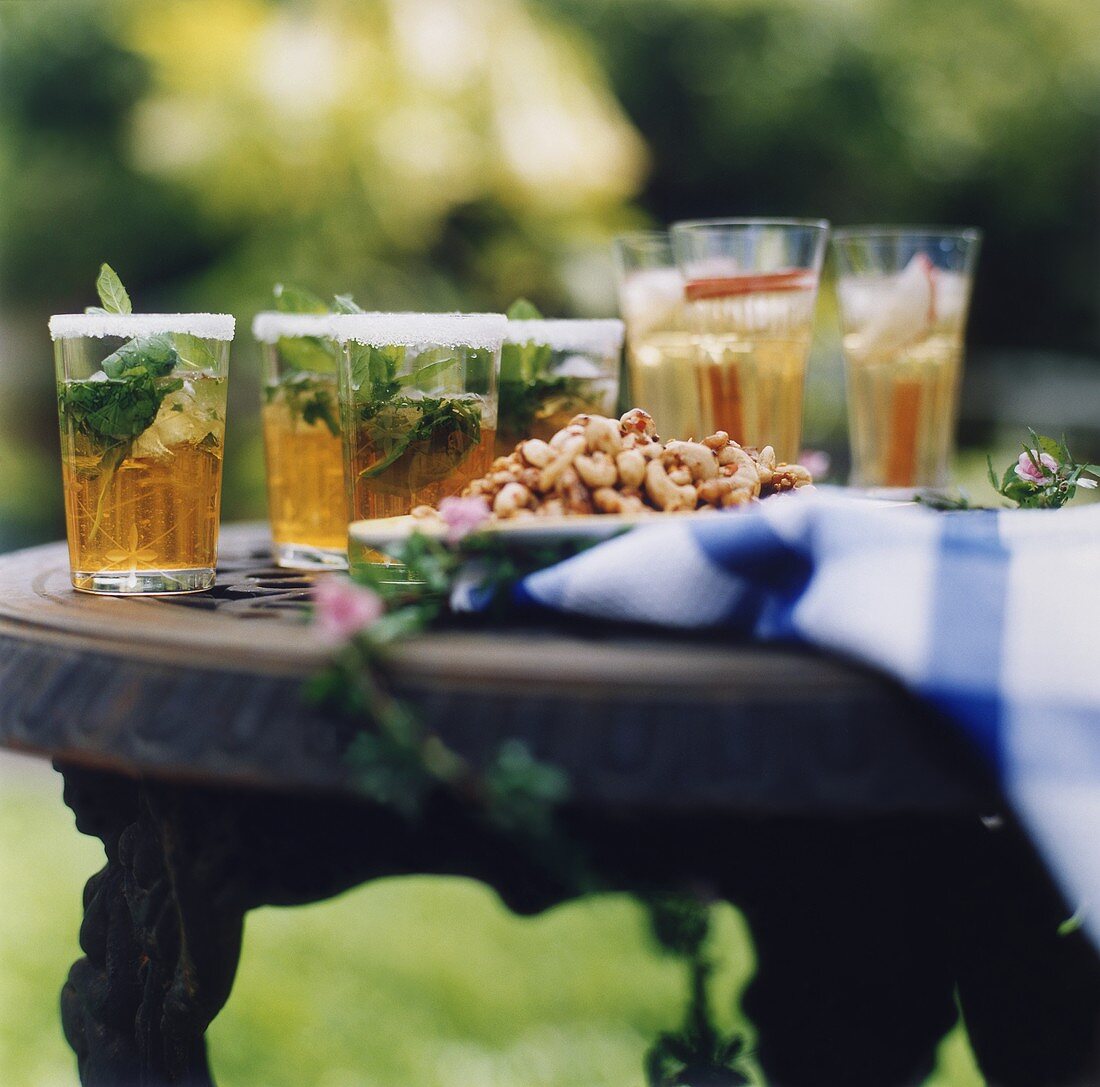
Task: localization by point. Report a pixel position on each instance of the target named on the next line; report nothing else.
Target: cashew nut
(563, 435)
(597, 470)
(568, 451)
(536, 452)
(512, 497)
(788, 477)
(718, 440)
(574, 493)
(665, 494)
(648, 447)
(529, 477)
(552, 507)
(608, 500)
(740, 468)
(695, 456)
(726, 491)
(631, 465)
(638, 421)
(600, 433)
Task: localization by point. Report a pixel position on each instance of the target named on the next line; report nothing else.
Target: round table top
(207, 687)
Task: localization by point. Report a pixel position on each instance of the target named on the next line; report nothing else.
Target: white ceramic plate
(387, 531)
(384, 532)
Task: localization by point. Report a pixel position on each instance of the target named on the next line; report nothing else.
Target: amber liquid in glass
(305, 477)
(752, 346)
(664, 381)
(151, 505)
(389, 474)
(902, 404)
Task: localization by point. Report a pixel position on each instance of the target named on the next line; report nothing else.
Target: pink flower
(341, 609)
(817, 462)
(1029, 472)
(462, 516)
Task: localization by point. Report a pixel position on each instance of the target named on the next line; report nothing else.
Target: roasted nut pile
(601, 465)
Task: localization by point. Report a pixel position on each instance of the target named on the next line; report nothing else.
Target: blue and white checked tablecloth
(992, 616)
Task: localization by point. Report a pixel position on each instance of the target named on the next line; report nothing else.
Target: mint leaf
(309, 354)
(193, 351)
(1049, 446)
(155, 354)
(111, 291)
(374, 372)
(450, 427)
(442, 360)
(312, 398)
(528, 388)
(296, 300)
(522, 310)
(344, 303)
(522, 402)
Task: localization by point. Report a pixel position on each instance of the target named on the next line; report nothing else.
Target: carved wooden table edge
(182, 690)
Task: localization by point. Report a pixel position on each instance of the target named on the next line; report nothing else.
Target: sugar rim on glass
(603, 335)
(206, 326)
(272, 325)
(413, 329)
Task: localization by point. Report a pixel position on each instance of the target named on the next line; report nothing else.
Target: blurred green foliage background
(433, 154)
(458, 153)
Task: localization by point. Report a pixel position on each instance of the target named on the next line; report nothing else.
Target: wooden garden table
(838, 813)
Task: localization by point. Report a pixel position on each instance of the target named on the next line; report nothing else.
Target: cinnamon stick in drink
(902, 438)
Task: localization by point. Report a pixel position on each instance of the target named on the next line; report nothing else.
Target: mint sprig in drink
(301, 426)
(551, 370)
(418, 398)
(141, 406)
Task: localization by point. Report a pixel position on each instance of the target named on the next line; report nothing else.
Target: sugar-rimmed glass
(904, 295)
(660, 348)
(307, 504)
(751, 287)
(551, 370)
(418, 402)
(141, 406)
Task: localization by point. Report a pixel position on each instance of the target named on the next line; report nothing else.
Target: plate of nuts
(598, 476)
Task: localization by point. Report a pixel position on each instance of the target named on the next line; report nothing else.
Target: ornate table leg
(161, 934)
(163, 920)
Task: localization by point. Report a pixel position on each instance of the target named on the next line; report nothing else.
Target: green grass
(405, 983)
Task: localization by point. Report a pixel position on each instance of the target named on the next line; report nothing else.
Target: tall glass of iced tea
(904, 295)
(141, 403)
(418, 400)
(307, 505)
(750, 287)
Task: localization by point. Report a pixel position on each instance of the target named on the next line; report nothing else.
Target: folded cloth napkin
(988, 615)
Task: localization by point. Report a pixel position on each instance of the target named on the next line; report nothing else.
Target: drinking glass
(660, 348)
(418, 402)
(141, 406)
(301, 425)
(551, 370)
(750, 287)
(904, 294)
